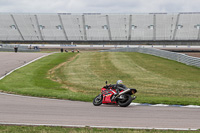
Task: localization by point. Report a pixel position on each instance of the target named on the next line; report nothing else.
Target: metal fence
(188, 60)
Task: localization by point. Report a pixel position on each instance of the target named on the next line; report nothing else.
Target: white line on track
(24, 65)
(83, 126)
(165, 105)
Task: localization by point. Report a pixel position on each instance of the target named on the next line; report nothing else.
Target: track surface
(11, 60)
(19, 109)
(30, 110)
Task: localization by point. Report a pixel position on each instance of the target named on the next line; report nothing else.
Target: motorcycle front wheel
(98, 100)
(126, 101)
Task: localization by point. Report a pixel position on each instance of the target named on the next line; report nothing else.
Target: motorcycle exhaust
(123, 92)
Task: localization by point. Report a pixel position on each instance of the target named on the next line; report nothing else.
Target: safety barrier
(20, 48)
(188, 60)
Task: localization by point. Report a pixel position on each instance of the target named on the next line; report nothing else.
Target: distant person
(61, 50)
(36, 47)
(16, 49)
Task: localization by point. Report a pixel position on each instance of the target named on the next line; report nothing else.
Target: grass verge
(46, 129)
(32, 80)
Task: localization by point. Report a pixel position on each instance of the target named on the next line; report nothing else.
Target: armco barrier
(188, 60)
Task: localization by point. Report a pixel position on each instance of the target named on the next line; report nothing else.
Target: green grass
(32, 80)
(157, 80)
(45, 129)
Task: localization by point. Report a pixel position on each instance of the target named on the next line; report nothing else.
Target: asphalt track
(15, 109)
(11, 60)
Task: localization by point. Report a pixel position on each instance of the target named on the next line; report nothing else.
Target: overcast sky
(99, 6)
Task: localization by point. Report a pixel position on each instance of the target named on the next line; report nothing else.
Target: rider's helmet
(119, 82)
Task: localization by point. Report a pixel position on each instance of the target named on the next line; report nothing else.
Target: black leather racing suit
(119, 87)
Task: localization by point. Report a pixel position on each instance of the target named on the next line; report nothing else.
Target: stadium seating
(165, 26)
(119, 26)
(189, 28)
(99, 27)
(8, 28)
(28, 26)
(73, 25)
(50, 27)
(143, 27)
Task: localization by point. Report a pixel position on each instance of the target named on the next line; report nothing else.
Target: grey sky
(98, 6)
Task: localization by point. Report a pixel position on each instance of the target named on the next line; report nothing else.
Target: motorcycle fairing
(107, 94)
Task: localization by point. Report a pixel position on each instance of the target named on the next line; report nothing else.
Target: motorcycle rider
(119, 86)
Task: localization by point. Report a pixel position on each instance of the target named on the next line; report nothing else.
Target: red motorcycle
(109, 96)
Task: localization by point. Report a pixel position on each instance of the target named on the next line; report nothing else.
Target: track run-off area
(25, 110)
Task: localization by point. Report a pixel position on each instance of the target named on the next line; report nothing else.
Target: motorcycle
(109, 96)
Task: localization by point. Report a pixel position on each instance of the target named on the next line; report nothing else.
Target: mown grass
(45, 129)
(157, 80)
(32, 80)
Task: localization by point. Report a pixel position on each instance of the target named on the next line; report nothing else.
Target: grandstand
(149, 28)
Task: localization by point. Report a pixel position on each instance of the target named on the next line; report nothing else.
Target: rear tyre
(98, 100)
(126, 101)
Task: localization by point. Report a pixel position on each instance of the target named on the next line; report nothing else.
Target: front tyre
(126, 101)
(98, 100)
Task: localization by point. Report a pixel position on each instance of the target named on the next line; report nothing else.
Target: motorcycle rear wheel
(126, 102)
(98, 100)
